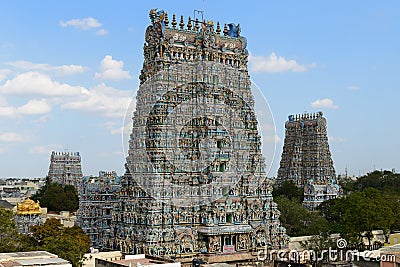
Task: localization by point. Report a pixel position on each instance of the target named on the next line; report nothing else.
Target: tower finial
(166, 21)
(196, 25)
(218, 30)
(225, 30)
(189, 25)
(174, 21)
(181, 23)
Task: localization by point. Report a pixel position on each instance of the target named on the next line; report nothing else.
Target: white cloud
(354, 87)
(324, 103)
(106, 100)
(27, 65)
(102, 32)
(7, 111)
(124, 130)
(112, 69)
(59, 70)
(333, 139)
(11, 137)
(4, 73)
(34, 107)
(34, 83)
(83, 24)
(43, 119)
(268, 127)
(274, 63)
(46, 149)
(3, 102)
(272, 139)
(69, 69)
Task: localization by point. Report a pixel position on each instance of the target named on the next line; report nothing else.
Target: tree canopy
(68, 243)
(57, 197)
(10, 239)
(370, 203)
(289, 190)
(298, 220)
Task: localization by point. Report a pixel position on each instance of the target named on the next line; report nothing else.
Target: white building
(32, 259)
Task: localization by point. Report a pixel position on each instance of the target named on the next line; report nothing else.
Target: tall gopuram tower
(195, 177)
(65, 168)
(306, 158)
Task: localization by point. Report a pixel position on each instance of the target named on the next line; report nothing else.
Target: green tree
(68, 243)
(298, 220)
(57, 197)
(10, 239)
(358, 212)
(289, 190)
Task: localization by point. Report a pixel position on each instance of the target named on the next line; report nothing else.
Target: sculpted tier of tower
(195, 176)
(306, 158)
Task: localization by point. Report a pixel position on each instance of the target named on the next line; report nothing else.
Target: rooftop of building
(5, 204)
(31, 258)
(142, 259)
(29, 255)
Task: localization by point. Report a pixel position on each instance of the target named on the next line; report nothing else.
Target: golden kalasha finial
(173, 21)
(196, 25)
(218, 31)
(166, 21)
(225, 30)
(181, 23)
(189, 25)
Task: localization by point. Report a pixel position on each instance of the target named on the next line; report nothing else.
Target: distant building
(98, 199)
(28, 214)
(306, 159)
(65, 168)
(15, 190)
(394, 239)
(89, 259)
(32, 259)
(66, 218)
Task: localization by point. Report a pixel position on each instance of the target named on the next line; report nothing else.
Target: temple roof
(28, 207)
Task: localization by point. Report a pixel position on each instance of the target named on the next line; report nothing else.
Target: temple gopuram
(195, 184)
(65, 168)
(306, 159)
(28, 214)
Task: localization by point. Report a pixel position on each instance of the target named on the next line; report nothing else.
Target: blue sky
(69, 69)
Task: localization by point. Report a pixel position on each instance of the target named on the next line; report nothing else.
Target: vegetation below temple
(370, 203)
(68, 243)
(57, 197)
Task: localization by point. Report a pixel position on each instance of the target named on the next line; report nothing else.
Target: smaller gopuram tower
(65, 168)
(306, 158)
